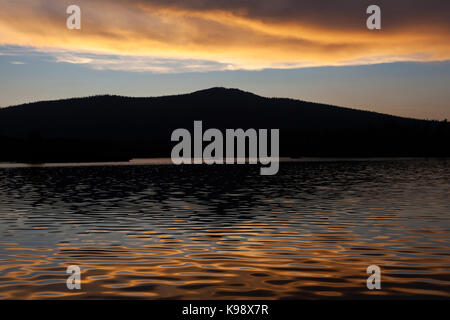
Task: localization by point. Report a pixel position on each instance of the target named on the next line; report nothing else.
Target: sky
(317, 51)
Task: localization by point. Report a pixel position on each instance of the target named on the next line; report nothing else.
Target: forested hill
(118, 128)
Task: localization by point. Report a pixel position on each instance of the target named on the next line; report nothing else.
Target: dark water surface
(199, 232)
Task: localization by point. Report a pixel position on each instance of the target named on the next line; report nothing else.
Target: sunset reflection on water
(225, 232)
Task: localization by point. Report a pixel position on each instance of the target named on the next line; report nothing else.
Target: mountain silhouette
(109, 128)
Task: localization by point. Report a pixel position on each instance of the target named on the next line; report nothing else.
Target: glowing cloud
(201, 35)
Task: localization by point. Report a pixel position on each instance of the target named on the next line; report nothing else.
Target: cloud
(70, 58)
(138, 64)
(203, 35)
(324, 14)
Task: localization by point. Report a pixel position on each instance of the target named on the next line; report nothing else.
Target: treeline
(112, 128)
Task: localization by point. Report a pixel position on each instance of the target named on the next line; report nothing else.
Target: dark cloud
(326, 13)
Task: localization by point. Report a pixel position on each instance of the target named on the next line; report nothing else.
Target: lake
(157, 231)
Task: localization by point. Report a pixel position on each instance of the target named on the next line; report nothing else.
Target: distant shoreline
(168, 161)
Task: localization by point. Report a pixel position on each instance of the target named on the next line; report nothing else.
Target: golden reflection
(234, 264)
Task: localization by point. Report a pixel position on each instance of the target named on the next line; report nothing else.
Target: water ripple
(225, 232)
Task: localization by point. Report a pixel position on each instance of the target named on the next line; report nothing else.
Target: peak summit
(223, 91)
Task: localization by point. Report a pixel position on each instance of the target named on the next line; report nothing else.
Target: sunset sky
(312, 50)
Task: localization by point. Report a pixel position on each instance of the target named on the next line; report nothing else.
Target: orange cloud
(228, 33)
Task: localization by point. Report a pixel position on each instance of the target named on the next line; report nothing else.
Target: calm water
(198, 232)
